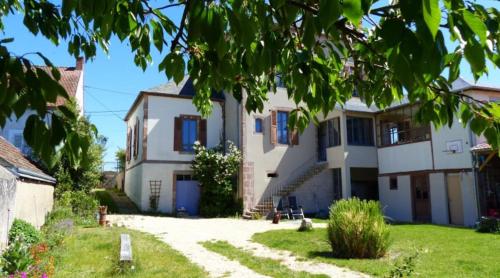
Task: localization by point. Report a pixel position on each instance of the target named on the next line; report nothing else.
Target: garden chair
(295, 210)
(282, 210)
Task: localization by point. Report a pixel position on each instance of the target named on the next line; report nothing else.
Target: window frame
(330, 131)
(393, 186)
(405, 130)
(279, 135)
(196, 120)
(261, 120)
(350, 133)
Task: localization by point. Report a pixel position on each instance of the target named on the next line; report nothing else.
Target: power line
(110, 90)
(104, 111)
(104, 105)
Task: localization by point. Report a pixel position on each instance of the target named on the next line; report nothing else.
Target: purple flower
(24, 275)
(45, 275)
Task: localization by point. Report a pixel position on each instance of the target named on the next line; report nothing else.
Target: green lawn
(444, 251)
(94, 252)
(264, 266)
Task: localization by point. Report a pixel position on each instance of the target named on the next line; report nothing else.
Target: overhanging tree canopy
(242, 45)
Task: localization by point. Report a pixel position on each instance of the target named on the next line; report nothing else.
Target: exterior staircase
(265, 205)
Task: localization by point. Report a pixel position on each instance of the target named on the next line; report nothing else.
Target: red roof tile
(69, 80)
(14, 157)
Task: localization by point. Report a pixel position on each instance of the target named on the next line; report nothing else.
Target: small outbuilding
(26, 191)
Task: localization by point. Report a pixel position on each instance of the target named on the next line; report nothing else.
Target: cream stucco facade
(350, 168)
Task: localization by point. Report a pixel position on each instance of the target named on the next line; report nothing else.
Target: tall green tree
(72, 174)
(392, 49)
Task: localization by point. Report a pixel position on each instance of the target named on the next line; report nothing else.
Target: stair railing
(301, 171)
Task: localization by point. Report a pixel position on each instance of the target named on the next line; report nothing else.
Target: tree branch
(303, 6)
(175, 41)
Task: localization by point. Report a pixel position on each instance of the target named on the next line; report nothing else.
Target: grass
(264, 266)
(105, 199)
(443, 251)
(94, 252)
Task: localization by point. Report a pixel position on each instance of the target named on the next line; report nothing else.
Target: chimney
(80, 61)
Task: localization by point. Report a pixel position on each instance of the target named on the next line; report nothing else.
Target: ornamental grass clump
(356, 229)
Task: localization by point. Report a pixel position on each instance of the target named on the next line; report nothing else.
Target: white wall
(448, 160)
(286, 160)
(469, 198)
(396, 203)
(317, 193)
(161, 116)
(33, 202)
(439, 198)
(136, 115)
(133, 184)
(405, 158)
(79, 94)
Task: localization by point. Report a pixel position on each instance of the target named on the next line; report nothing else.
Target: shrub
(24, 231)
(488, 225)
(215, 170)
(83, 205)
(356, 229)
(17, 258)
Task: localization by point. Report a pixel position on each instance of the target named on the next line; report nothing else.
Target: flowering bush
(215, 169)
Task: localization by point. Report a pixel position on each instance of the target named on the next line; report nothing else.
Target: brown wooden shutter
(295, 137)
(177, 134)
(136, 140)
(273, 133)
(127, 152)
(203, 132)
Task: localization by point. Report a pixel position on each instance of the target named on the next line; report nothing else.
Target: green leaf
(474, 54)
(329, 12)
(353, 11)
(476, 25)
(432, 15)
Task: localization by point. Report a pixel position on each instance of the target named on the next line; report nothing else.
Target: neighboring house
(417, 172)
(72, 81)
(26, 192)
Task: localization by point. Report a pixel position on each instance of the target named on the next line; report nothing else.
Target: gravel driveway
(185, 235)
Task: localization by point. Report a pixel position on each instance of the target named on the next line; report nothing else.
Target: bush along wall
(215, 169)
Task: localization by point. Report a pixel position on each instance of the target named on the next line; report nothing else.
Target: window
(359, 131)
(337, 184)
(272, 175)
(399, 127)
(282, 127)
(184, 177)
(334, 132)
(189, 134)
(393, 183)
(258, 125)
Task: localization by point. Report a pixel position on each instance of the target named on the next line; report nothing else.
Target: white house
(72, 81)
(162, 126)
(417, 172)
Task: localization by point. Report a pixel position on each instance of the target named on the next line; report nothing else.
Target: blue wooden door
(188, 196)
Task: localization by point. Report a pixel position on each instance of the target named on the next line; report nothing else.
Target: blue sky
(121, 80)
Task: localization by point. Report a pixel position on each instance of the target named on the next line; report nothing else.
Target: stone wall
(7, 203)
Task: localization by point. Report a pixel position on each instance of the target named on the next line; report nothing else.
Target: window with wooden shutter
(203, 132)
(273, 133)
(136, 139)
(177, 133)
(128, 144)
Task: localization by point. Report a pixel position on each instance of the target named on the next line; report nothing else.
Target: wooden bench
(125, 248)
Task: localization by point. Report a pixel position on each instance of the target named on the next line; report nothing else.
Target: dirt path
(124, 204)
(186, 234)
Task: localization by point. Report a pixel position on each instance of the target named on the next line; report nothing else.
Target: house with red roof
(72, 81)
